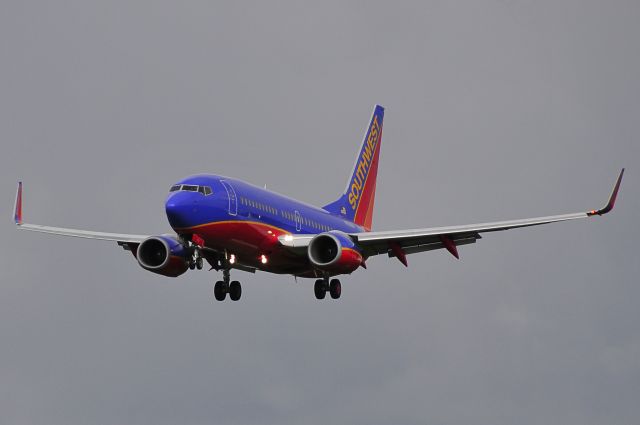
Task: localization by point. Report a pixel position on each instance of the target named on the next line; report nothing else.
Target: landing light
(263, 259)
(288, 238)
(232, 259)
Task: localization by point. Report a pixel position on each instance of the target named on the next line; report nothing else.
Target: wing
(398, 243)
(121, 238)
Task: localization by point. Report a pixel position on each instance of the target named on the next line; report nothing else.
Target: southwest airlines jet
(234, 225)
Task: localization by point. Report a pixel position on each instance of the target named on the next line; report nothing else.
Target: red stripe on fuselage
(248, 241)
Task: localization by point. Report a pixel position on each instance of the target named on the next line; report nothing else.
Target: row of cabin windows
(258, 205)
(316, 225)
(205, 190)
(285, 214)
(306, 221)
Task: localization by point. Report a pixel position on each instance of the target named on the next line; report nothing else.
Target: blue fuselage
(235, 216)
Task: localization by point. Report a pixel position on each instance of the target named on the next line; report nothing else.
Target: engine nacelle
(164, 255)
(334, 252)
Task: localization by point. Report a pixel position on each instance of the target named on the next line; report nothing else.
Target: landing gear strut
(224, 287)
(196, 260)
(322, 286)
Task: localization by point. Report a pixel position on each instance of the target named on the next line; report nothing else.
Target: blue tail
(356, 203)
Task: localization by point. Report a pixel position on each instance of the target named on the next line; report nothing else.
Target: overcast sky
(495, 110)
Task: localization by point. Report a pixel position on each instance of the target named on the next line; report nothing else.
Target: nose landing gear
(196, 261)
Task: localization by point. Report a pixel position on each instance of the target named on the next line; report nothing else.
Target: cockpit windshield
(205, 190)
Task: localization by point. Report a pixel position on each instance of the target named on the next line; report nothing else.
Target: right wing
(121, 238)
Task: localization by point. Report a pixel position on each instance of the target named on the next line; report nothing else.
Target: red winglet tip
(17, 216)
(612, 199)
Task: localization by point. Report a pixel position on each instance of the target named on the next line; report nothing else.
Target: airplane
(234, 225)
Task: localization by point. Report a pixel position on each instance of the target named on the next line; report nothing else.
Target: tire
(335, 289)
(320, 289)
(199, 263)
(235, 290)
(192, 265)
(220, 290)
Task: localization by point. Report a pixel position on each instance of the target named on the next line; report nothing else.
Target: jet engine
(164, 255)
(334, 252)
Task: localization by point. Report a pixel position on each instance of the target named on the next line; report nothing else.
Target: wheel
(220, 290)
(335, 289)
(320, 289)
(235, 290)
(192, 265)
(199, 263)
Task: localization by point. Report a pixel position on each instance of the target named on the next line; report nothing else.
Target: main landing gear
(224, 287)
(322, 286)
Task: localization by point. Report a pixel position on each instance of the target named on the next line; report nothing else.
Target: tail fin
(356, 203)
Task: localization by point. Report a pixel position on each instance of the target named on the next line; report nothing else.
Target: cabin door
(233, 199)
(298, 221)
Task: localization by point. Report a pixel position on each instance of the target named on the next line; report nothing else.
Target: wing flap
(406, 236)
(434, 245)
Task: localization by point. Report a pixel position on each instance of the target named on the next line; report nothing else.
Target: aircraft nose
(179, 207)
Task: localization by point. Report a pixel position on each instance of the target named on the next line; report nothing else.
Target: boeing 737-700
(234, 225)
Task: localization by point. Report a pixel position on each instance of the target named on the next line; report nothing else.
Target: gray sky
(495, 110)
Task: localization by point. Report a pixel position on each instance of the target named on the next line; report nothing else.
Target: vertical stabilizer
(356, 203)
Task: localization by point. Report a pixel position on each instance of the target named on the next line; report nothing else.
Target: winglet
(17, 216)
(612, 198)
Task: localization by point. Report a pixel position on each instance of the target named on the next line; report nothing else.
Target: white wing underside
(419, 240)
(87, 234)
(401, 242)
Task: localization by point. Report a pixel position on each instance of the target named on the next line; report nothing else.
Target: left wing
(121, 238)
(398, 243)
